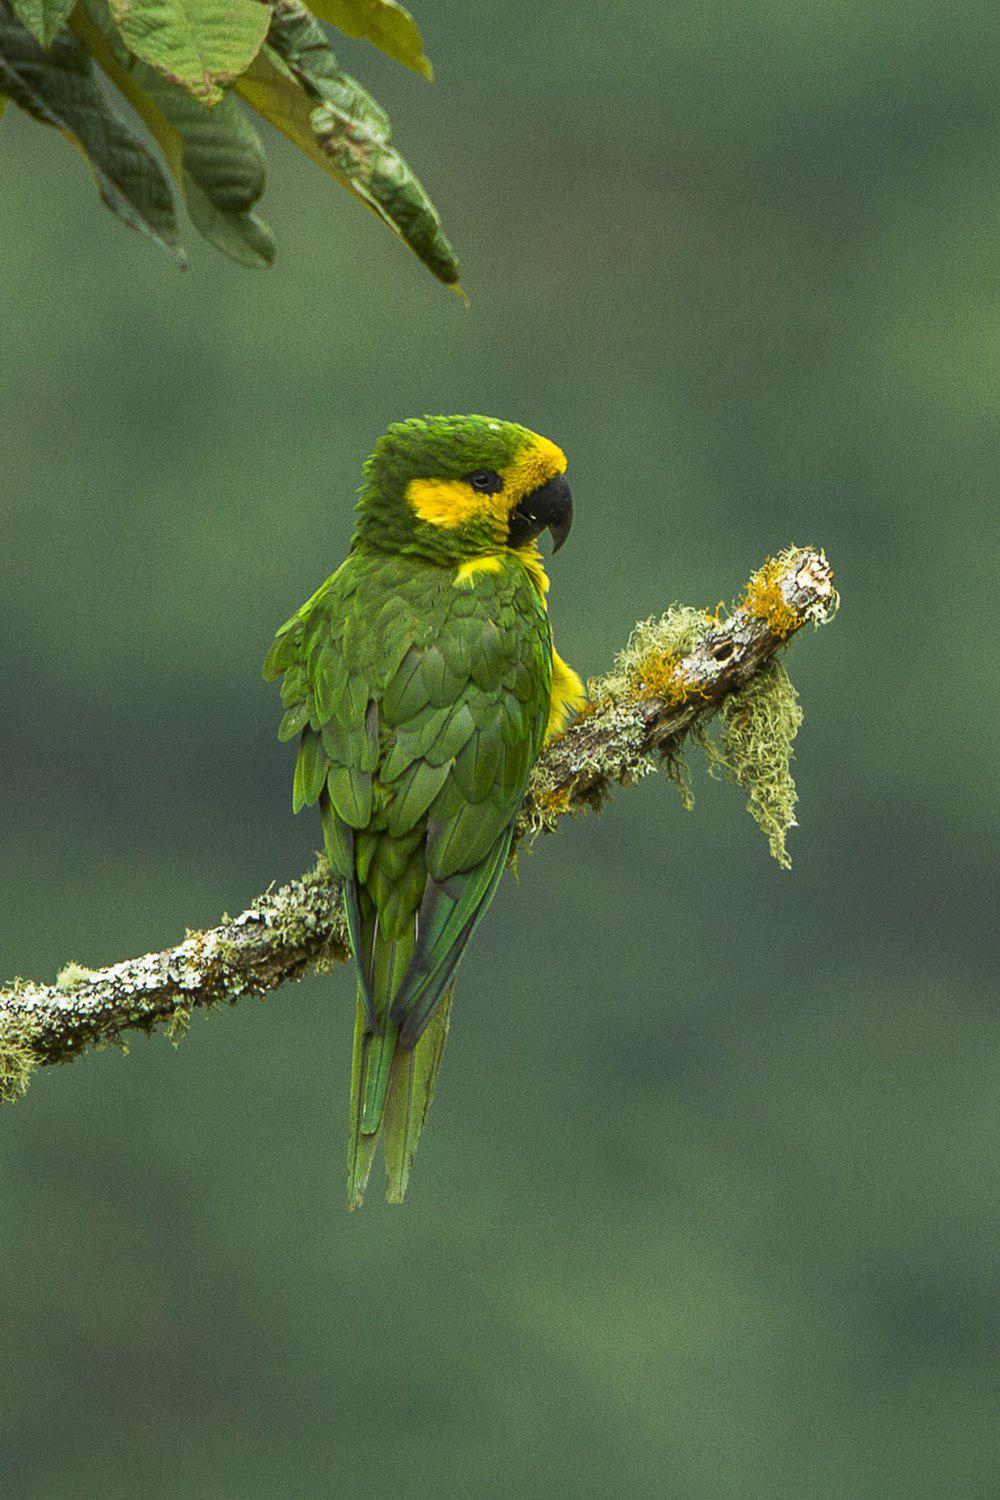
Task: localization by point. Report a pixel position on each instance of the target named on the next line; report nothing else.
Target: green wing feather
(449, 915)
(420, 708)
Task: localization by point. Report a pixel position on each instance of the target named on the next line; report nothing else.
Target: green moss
(227, 952)
(17, 1061)
(113, 1042)
(754, 749)
(71, 976)
(649, 666)
(678, 772)
(177, 1026)
(326, 962)
(757, 725)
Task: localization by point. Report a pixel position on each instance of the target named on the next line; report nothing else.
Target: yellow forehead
(533, 467)
(452, 502)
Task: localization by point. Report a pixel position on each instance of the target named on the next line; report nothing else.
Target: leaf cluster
(196, 73)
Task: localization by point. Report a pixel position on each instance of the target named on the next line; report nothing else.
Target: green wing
(333, 710)
(421, 708)
(465, 716)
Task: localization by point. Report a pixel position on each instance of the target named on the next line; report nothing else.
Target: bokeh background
(708, 1203)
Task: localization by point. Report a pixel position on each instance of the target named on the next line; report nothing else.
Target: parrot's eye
(486, 481)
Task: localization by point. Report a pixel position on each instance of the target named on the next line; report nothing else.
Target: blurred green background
(708, 1203)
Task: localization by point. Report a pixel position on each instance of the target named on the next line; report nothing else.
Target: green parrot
(422, 680)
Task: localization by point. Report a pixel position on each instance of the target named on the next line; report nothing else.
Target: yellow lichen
(649, 666)
(553, 800)
(658, 675)
(763, 598)
(548, 803)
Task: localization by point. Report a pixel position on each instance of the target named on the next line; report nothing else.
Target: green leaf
(215, 156)
(276, 94)
(201, 44)
(58, 88)
(383, 23)
(295, 83)
(43, 18)
(243, 236)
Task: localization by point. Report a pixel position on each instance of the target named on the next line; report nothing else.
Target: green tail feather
(361, 1148)
(414, 1074)
(391, 1085)
(378, 1067)
(389, 960)
(410, 1088)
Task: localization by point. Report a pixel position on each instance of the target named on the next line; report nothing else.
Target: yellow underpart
(465, 573)
(568, 694)
(452, 503)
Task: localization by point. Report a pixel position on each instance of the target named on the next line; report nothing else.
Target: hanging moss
(17, 1063)
(754, 749)
(679, 773)
(178, 1025)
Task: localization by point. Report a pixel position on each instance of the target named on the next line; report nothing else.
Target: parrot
(422, 682)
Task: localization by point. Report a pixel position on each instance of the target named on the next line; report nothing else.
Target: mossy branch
(672, 678)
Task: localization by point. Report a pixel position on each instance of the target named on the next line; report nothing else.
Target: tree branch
(673, 676)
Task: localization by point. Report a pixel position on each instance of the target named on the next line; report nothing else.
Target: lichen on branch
(674, 676)
(669, 683)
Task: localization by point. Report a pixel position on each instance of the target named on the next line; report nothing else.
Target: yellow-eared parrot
(423, 683)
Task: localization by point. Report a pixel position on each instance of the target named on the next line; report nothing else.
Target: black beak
(549, 508)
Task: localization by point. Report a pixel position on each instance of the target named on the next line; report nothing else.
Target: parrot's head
(454, 488)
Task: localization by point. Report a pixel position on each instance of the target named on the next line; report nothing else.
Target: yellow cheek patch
(452, 502)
